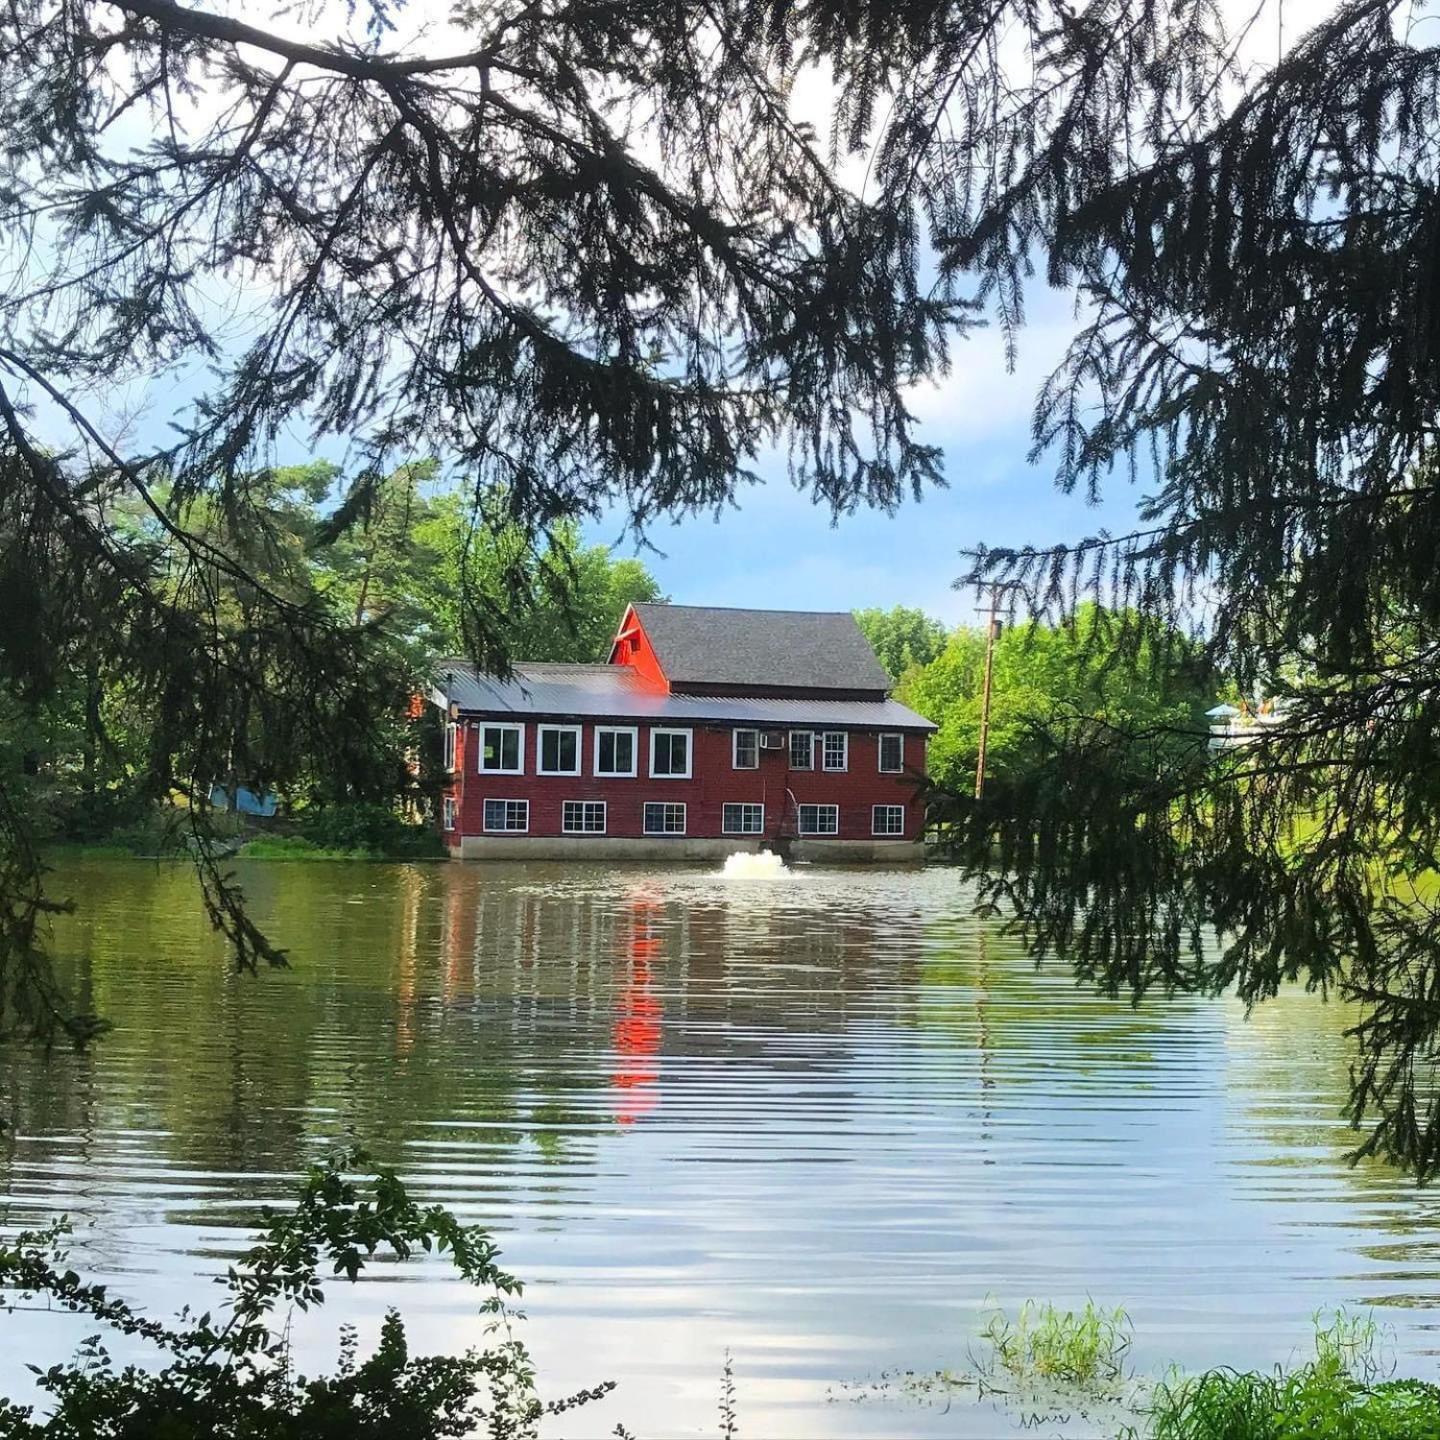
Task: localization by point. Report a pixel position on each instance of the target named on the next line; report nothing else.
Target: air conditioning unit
(774, 740)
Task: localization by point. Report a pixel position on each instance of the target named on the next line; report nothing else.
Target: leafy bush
(369, 829)
(229, 1376)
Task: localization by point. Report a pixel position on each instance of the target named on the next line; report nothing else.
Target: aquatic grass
(1085, 1348)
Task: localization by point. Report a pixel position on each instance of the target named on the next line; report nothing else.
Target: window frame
(809, 735)
(451, 746)
(671, 730)
(578, 731)
(604, 807)
(633, 731)
(679, 805)
(885, 769)
(449, 812)
(810, 805)
(742, 805)
(825, 738)
(506, 829)
(735, 735)
(480, 766)
(887, 834)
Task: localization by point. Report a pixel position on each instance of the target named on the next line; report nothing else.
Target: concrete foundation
(681, 849)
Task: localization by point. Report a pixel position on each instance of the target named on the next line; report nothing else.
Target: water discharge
(766, 865)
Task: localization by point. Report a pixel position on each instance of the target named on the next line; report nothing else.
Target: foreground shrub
(229, 1376)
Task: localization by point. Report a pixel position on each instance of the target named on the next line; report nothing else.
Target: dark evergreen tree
(589, 258)
(593, 257)
(1249, 220)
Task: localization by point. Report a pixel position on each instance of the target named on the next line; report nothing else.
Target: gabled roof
(702, 645)
(615, 692)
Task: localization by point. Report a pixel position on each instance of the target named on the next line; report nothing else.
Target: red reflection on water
(638, 1016)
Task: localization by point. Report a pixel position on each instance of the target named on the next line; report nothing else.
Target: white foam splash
(742, 865)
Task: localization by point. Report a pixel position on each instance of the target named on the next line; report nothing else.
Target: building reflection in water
(635, 1078)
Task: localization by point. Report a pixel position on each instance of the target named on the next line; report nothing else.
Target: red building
(707, 731)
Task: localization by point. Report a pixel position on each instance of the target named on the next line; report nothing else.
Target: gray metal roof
(615, 692)
(710, 645)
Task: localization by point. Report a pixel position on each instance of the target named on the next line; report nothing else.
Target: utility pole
(992, 628)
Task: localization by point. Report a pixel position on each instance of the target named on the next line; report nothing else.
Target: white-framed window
(835, 750)
(616, 747)
(451, 731)
(887, 820)
(583, 817)
(802, 750)
(557, 750)
(502, 750)
(664, 817)
(892, 754)
(745, 749)
(447, 810)
(742, 819)
(670, 754)
(507, 815)
(819, 819)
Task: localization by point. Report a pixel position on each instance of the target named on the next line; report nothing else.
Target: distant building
(707, 731)
(1232, 727)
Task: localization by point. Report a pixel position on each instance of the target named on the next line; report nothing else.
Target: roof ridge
(734, 609)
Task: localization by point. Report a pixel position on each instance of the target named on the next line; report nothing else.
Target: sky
(779, 550)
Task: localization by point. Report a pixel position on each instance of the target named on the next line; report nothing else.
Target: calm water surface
(819, 1122)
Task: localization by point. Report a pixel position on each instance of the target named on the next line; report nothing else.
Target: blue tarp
(247, 802)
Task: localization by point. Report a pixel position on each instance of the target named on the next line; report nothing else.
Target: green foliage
(374, 830)
(1338, 1395)
(228, 1374)
(902, 637)
(560, 600)
(1132, 675)
(1084, 1348)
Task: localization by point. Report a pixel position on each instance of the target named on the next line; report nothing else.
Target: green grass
(1085, 1348)
(1339, 1395)
(296, 847)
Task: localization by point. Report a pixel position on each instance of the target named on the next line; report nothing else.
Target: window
(583, 817)
(746, 750)
(836, 751)
(502, 749)
(819, 819)
(450, 745)
(559, 750)
(892, 754)
(663, 818)
(507, 815)
(742, 819)
(615, 750)
(448, 811)
(670, 754)
(802, 750)
(887, 820)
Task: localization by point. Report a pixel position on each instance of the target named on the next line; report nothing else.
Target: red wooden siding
(714, 783)
(632, 647)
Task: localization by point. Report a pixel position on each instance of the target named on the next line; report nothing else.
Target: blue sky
(780, 550)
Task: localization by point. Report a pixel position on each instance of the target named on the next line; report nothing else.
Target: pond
(821, 1122)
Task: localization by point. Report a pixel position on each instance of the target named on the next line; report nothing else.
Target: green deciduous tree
(902, 636)
(1044, 676)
